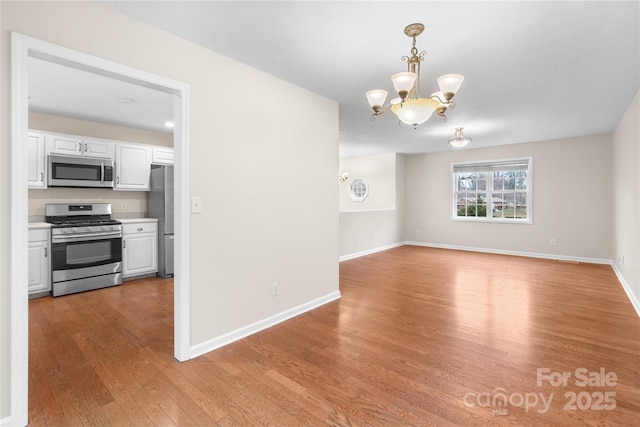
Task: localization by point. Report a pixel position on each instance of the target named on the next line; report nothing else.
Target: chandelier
(409, 106)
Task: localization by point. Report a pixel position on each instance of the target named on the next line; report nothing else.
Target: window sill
(494, 221)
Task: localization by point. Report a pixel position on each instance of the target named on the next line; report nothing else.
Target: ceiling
(533, 70)
(65, 91)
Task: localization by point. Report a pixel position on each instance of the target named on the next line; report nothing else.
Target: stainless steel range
(86, 247)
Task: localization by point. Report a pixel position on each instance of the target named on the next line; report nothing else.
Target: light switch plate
(196, 205)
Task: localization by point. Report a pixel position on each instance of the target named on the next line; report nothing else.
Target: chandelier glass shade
(410, 107)
(403, 82)
(450, 83)
(415, 111)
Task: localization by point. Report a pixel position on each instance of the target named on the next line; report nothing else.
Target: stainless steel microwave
(65, 171)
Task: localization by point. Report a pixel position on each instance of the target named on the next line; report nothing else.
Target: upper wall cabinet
(132, 161)
(65, 145)
(133, 167)
(37, 165)
(69, 145)
(162, 156)
(97, 148)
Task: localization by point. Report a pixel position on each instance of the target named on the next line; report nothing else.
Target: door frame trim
(23, 47)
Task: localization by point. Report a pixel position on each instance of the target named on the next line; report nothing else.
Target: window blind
(503, 165)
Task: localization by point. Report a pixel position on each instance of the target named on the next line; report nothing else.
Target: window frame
(489, 190)
(358, 197)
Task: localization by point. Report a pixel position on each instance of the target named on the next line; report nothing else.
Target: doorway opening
(23, 48)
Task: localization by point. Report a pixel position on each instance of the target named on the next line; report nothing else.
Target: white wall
(363, 232)
(626, 196)
(123, 203)
(261, 222)
(571, 200)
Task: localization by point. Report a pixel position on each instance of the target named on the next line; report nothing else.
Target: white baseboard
(514, 253)
(370, 251)
(632, 297)
(245, 331)
(6, 421)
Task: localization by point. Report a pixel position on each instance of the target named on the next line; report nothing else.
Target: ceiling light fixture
(410, 107)
(459, 140)
(169, 124)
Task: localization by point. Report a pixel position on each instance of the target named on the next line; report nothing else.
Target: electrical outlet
(124, 205)
(553, 242)
(275, 289)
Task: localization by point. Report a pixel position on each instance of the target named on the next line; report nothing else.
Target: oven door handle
(87, 236)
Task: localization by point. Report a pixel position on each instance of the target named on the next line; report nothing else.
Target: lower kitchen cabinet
(139, 249)
(39, 262)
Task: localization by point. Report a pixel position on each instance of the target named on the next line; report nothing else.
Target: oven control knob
(103, 228)
(64, 230)
(89, 229)
(74, 230)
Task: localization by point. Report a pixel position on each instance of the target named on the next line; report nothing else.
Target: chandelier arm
(452, 105)
(441, 101)
(379, 111)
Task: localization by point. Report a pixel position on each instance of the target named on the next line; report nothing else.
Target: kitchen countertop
(38, 225)
(134, 220)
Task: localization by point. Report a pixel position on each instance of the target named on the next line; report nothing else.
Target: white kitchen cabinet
(36, 157)
(66, 145)
(76, 146)
(98, 148)
(139, 249)
(133, 167)
(39, 261)
(162, 155)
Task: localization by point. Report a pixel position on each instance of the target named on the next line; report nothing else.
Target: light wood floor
(421, 336)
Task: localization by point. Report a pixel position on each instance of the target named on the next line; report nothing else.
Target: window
(358, 190)
(492, 191)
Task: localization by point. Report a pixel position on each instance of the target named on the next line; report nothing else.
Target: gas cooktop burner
(82, 218)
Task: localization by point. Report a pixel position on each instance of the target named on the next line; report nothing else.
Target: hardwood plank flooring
(421, 336)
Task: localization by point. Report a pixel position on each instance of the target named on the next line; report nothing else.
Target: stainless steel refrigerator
(160, 205)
